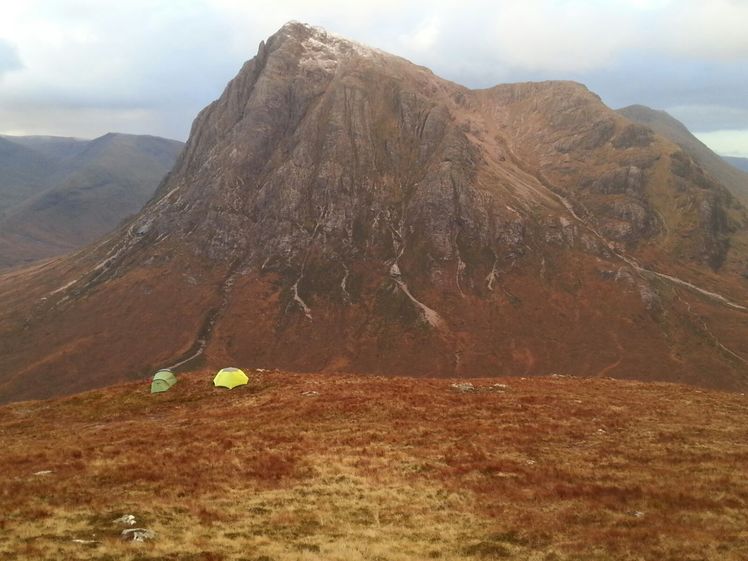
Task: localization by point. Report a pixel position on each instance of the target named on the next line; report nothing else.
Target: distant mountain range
(58, 194)
(740, 163)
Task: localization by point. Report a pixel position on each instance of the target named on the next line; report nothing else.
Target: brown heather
(379, 469)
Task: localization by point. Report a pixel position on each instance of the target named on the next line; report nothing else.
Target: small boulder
(464, 387)
(125, 520)
(137, 535)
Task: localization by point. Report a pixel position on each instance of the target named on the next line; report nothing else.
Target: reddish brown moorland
(554, 468)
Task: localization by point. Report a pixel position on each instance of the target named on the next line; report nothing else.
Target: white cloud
(81, 122)
(560, 36)
(9, 60)
(716, 29)
(649, 4)
(727, 142)
(135, 65)
(424, 37)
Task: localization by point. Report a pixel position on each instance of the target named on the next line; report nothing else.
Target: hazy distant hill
(23, 173)
(741, 163)
(668, 126)
(57, 194)
(56, 147)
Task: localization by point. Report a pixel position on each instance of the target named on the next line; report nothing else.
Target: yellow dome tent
(230, 378)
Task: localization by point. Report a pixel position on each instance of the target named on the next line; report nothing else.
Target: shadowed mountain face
(24, 173)
(339, 208)
(735, 180)
(57, 194)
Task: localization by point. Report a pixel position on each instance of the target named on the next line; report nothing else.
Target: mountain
(332, 467)
(665, 125)
(342, 209)
(57, 148)
(73, 191)
(23, 173)
(740, 163)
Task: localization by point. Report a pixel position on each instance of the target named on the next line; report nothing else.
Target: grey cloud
(703, 118)
(88, 122)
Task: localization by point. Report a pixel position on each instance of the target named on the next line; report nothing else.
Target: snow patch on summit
(323, 49)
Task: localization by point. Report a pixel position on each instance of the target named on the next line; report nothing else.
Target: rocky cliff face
(735, 180)
(339, 208)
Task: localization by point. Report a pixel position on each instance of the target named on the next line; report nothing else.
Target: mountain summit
(339, 208)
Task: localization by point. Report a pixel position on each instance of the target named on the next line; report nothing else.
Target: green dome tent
(162, 381)
(230, 378)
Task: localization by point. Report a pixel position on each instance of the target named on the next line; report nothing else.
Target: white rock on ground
(137, 534)
(465, 387)
(127, 520)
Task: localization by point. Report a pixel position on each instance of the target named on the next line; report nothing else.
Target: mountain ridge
(663, 123)
(24, 173)
(334, 210)
(738, 162)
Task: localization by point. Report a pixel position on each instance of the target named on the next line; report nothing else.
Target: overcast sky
(86, 67)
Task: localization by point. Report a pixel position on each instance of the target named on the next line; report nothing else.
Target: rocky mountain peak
(339, 208)
(322, 46)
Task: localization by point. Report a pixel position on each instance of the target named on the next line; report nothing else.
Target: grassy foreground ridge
(337, 467)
